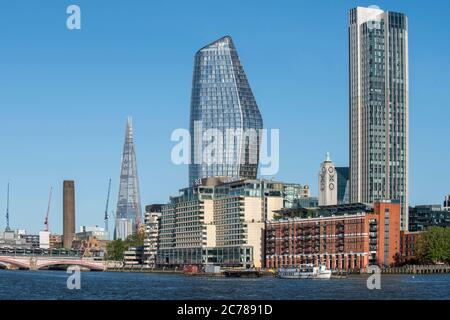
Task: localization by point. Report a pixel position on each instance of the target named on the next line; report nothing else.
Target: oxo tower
(128, 214)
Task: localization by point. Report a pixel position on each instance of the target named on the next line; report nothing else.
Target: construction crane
(107, 205)
(48, 209)
(7, 210)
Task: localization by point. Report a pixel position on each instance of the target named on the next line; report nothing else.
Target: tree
(116, 248)
(433, 246)
(135, 240)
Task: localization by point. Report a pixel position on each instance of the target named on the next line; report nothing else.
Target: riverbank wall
(408, 269)
(413, 269)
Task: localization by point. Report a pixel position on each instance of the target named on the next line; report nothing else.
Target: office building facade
(219, 223)
(424, 216)
(378, 144)
(223, 110)
(343, 187)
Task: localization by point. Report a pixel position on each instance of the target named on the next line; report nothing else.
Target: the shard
(129, 212)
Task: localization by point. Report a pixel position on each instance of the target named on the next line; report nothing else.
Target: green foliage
(433, 246)
(116, 248)
(135, 240)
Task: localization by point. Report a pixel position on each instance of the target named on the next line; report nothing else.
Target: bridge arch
(87, 264)
(14, 262)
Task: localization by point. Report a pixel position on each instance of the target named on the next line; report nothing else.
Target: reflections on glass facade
(422, 217)
(378, 52)
(128, 203)
(342, 185)
(222, 100)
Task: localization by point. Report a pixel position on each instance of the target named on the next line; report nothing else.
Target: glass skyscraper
(129, 212)
(222, 102)
(378, 60)
(342, 184)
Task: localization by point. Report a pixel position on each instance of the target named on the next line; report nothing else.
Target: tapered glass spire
(129, 204)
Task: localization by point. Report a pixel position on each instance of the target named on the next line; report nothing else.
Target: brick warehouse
(408, 245)
(343, 237)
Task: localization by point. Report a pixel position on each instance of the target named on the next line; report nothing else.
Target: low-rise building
(343, 237)
(408, 246)
(133, 256)
(424, 216)
(55, 241)
(293, 193)
(16, 239)
(87, 232)
(32, 240)
(307, 202)
(44, 239)
(446, 205)
(152, 221)
(20, 239)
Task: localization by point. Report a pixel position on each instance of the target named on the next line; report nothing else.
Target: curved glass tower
(222, 102)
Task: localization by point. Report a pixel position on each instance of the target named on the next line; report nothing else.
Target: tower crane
(7, 210)
(107, 205)
(48, 209)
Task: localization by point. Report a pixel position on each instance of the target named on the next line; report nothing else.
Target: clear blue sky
(65, 95)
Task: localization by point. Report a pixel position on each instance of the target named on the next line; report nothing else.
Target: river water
(150, 286)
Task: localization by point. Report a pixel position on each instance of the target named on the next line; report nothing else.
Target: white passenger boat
(305, 271)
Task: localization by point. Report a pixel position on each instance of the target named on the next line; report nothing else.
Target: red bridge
(39, 259)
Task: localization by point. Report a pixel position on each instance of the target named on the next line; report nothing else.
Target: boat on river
(304, 271)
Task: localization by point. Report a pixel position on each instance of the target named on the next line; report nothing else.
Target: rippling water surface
(150, 286)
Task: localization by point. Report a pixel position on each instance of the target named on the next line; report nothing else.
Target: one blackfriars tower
(129, 212)
(222, 102)
(378, 53)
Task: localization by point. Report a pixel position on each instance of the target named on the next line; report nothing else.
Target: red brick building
(344, 237)
(408, 244)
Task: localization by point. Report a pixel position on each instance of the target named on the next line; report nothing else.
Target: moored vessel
(304, 271)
